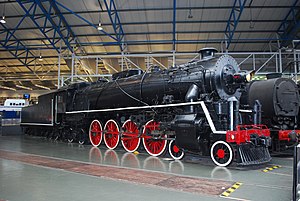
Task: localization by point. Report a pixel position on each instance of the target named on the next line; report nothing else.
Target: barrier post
(296, 173)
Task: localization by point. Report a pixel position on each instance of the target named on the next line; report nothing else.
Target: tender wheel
(174, 151)
(130, 136)
(111, 134)
(154, 147)
(221, 153)
(55, 137)
(95, 133)
(70, 140)
(82, 136)
(70, 135)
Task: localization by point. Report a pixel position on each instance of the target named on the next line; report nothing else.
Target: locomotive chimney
(207, 53)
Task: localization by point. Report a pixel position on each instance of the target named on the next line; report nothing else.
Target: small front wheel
(221, 153)
(174, 151)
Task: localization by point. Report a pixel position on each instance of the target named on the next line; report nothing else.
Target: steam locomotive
(189, 108)
(279, 99)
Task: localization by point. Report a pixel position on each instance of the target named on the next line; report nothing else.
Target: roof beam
(154, 33)
(234, 19)
(169, 8)
(85, 20)
(115, 20)
(15, 46)
(69, 30)
(47, 22)
(159, 42)
(290, 26)
(159, 22)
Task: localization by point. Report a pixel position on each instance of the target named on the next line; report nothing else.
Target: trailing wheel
(174, 151)
(130, 136)
(95, 133)
(221, 153)
(154, 147)
(111, 134)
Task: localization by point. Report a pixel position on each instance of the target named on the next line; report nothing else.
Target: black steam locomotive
(193, 107)
(279, 99)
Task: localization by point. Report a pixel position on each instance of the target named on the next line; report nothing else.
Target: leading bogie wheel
(95, 133)
(154, 147)
(111, 134)
(174, 151)
(221, 153)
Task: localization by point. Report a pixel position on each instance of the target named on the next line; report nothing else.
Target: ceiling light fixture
(100, 28)
(3, 21)
(251, 25)
(190, 16)
(40, 57)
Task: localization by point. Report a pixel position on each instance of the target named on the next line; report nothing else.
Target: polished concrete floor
(22, 180)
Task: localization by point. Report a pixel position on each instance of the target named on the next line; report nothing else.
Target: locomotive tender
(279, 99)
(192, 108)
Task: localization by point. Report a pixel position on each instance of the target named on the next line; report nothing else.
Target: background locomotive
(279, 99)
(194, 106)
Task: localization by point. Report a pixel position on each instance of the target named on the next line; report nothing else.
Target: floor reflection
(111, 157)
(154, 163)
(221, 173)
(176, 167)
(163, 164)
(95, 155)
(131, 160)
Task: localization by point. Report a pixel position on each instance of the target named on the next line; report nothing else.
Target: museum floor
(36, 169)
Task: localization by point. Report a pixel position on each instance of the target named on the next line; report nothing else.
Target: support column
(72, 69)
(174, 61)
(58, 71)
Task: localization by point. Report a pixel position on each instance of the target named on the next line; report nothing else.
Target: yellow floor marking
(231, 189)
(271, 168)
